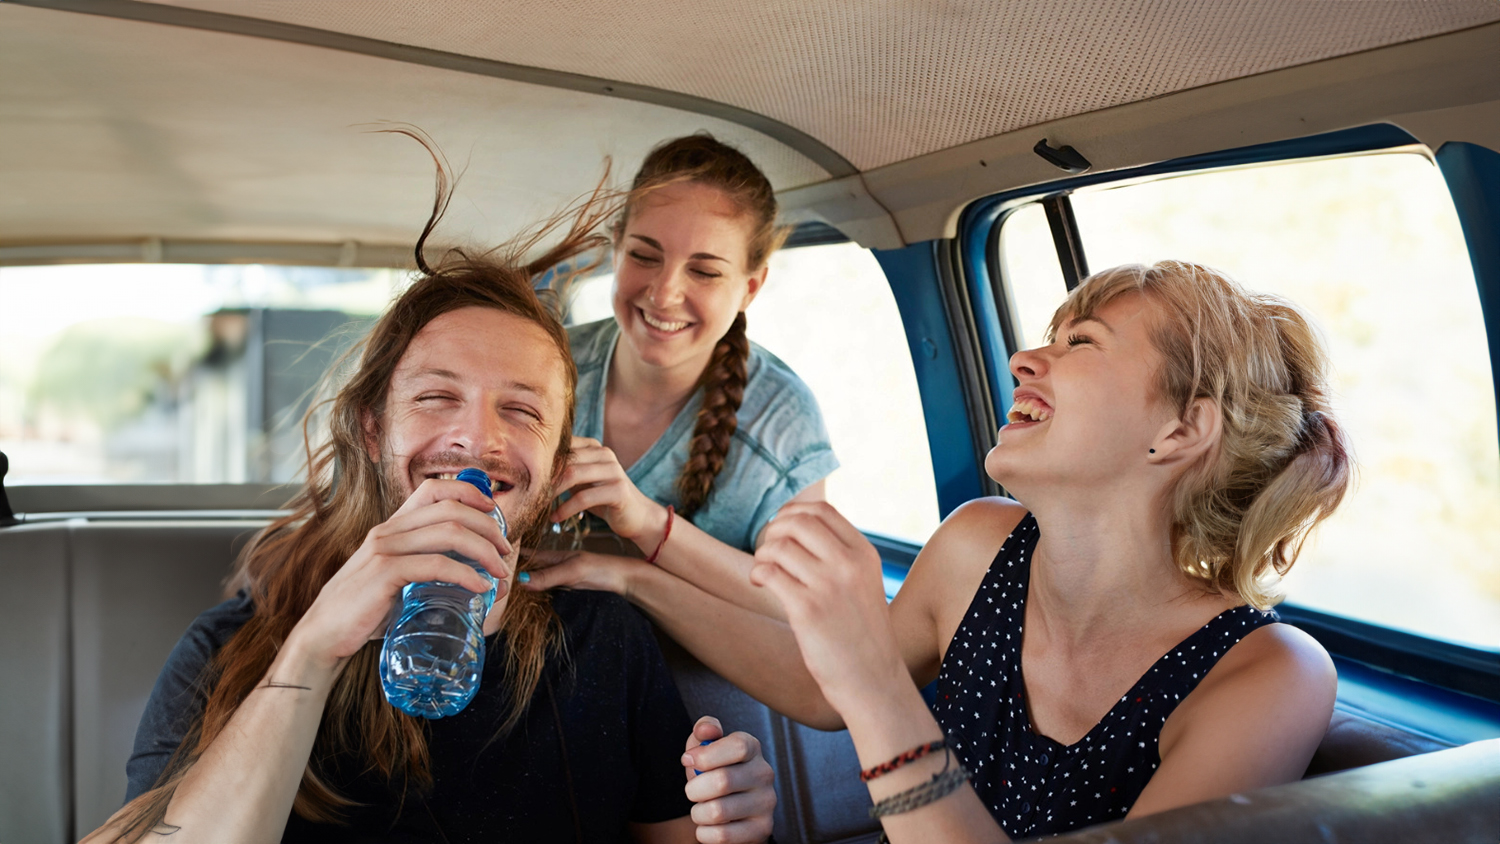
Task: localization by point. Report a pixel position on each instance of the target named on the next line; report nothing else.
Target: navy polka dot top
(1032, 784)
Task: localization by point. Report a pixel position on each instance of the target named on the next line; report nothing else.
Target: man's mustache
(452, 461)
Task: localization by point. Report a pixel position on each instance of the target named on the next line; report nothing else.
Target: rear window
(169, 372)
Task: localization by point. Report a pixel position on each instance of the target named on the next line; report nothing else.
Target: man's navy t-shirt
(616, 758)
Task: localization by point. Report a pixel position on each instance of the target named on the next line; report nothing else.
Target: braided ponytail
(723, 384)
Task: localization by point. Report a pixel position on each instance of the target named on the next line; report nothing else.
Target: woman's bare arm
(1254, 721)
(600, 485)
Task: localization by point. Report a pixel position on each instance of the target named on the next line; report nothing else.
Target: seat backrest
(1353, 741)
(88, 614)
(35, 697)
(136, 587)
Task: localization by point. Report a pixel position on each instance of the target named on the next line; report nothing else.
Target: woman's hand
(409, 547)
(828, 577)
(581, 570)
(731, 784)
(600, 486)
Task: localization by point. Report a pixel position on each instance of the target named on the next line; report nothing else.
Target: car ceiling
(133, 130)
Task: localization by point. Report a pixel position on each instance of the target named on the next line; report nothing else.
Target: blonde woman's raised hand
(599, 485)
(828, 577)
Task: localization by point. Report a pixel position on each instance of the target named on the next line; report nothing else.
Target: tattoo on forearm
(272, 684)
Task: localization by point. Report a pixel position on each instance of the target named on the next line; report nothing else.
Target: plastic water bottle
(434, 648)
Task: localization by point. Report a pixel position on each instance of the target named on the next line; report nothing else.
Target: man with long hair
(269, 722)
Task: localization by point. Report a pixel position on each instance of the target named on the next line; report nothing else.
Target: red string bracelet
(671, 514)
(909, 756)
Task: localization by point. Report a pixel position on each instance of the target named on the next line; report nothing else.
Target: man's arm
(243, 785)
(258, 758)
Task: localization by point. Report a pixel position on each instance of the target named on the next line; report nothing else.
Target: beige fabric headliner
(886, 81)
(112, 129)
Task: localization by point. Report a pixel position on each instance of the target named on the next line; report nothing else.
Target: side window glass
(1370, 248)
(1033, 280)
(173, 373)
(828, 313)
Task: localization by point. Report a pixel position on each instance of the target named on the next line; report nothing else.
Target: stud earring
(1152, 451)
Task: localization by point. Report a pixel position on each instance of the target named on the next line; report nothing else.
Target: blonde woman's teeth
(659, 325)
(1027, 411)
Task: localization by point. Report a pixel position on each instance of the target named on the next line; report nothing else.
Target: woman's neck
(642, 385)
(1100, 569)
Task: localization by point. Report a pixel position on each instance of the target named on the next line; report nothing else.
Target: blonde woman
(1101, 643)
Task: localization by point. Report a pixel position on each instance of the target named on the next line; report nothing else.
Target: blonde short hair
(1239, 516)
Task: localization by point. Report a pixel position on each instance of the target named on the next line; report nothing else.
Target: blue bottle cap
(478, 478)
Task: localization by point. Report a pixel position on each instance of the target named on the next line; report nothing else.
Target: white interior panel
(154, 131)
(888, 80)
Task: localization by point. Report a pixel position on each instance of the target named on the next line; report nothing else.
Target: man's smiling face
(476, 387)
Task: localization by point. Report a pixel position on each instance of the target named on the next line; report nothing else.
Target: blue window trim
(915, 282)
(1473, 176)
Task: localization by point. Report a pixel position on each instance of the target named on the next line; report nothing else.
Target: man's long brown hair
(287, 564)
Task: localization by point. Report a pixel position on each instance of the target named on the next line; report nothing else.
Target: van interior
(920, 138)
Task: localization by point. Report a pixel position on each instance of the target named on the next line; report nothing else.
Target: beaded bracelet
(941, 785)
(671, 514)
(909, 756)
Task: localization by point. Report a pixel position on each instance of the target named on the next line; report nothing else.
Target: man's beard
(522, 524)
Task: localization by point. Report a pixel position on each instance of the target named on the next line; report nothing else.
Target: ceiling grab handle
(1063, 157)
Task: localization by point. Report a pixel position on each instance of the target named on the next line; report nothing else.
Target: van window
(828, 313)
(170, 372)
(1370, 248)
(1034, 285)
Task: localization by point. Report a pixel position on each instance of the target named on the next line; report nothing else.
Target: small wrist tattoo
(164, 829)
(272, 684)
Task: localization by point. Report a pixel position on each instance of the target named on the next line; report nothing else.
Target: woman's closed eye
(1078, 340)
(644, 259)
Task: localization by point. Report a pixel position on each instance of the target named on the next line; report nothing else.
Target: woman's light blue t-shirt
(779, 447)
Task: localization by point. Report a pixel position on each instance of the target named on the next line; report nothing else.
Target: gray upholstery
(35, 744)
(136, 587)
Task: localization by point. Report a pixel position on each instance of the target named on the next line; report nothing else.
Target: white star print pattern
(983, 710)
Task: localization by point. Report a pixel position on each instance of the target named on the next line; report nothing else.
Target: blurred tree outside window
(170, 373)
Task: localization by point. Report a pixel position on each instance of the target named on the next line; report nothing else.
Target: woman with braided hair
(685, 429)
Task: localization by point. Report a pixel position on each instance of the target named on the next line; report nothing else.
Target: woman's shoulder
(590, 341)
(777, 399)
(957, 556)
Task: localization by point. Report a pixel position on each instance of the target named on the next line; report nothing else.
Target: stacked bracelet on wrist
(671, 515)
(941, 785)
(909, 756)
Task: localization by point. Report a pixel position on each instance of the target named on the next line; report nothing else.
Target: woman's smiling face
(681, 274)
(1086, 407)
